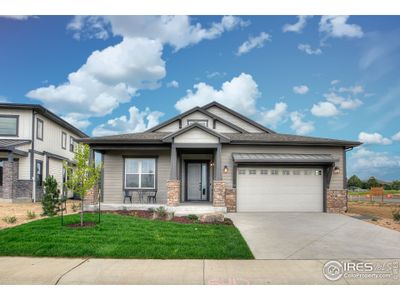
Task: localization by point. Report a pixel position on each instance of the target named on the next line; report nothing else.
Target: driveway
(315, 236)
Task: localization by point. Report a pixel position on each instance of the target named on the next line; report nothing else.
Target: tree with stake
(84, 175)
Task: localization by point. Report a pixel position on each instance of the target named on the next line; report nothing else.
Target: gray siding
(114, 168)
(227, 150)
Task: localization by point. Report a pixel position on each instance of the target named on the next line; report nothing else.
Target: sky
(329, 76)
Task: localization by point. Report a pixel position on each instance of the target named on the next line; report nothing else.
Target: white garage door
(279, 189)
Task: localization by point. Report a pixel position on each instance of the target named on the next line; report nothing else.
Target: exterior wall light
(226, 169)
(336, 170)
(211, 164)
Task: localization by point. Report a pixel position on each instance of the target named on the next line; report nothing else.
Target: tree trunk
(82, 212)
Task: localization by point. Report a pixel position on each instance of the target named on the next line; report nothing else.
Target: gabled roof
(190, 111)
(240, 116)
(47, 113)
(222, 138)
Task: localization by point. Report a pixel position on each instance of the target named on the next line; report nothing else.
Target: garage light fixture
(225, 169)
(336, 170)
(211, 164)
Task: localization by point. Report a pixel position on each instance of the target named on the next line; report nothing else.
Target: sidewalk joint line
(73, 268)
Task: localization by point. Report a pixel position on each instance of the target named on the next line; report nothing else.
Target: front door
(197, 181)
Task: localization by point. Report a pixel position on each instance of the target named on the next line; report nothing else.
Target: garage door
(279, 189)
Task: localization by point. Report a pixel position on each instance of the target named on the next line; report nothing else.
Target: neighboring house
(34, 142)
(214, 156)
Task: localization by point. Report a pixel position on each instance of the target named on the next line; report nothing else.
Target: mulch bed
(150, 215)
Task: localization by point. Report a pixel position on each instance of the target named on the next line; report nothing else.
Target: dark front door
(197, 181)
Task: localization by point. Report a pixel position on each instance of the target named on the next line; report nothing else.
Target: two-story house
(34, 142)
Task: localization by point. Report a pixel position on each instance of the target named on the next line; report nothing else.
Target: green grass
(123, 237)
(368, 192)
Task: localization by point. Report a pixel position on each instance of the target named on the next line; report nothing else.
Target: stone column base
(219, 193)
(173, 192)
(230, 200)
(336, 201)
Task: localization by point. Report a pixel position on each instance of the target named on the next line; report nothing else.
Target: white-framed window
(274, 172)
(252, 172)
(307, 172)
(285, 172)
(296, 172)
(201, 122)
(242, 172)
(140, 173)
(63, 140)
(264, 172)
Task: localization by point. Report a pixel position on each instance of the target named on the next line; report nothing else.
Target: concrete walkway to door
(315, 236)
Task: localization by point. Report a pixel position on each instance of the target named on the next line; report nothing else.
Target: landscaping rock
(212, 218)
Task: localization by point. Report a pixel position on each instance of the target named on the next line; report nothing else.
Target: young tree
(354, 181)
(84, 175)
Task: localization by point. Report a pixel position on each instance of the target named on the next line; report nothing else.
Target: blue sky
(335, 77)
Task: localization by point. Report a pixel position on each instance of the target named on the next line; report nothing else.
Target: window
(274, 172)
(39, 129)
(307, 172)
(285, 172)
(201, 122)
(63, 140)
(242, 172)
(39, 173)
(296, 172)
(71, 144)
(9, 125)
(252, 172)
(264, 172)
(140, 173)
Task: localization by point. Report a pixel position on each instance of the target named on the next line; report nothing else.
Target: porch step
(185, 210)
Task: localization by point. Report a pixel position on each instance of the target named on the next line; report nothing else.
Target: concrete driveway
(315, 236)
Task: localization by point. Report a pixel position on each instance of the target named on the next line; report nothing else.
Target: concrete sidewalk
(30, 270)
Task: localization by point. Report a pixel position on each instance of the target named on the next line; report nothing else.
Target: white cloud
(298, 125)
(240, 94)
(253, 42)
(176, 31)
(335, 81)
(324, 109)
(298, 26)
(344, 103)
(309, 50)
(77, 119)
(337, 27)
(109, 77)
(17, 17)
(89, 27)
(373, 138)
(356, 89)
(173, 84)
(136, 121)
(215, 74)
(396, 137)
(301, 89)
(274, 116)
(368, 163)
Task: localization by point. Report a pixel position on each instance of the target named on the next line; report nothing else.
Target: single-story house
(215, 156)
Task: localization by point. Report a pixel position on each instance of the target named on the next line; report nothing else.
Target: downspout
(33, 157)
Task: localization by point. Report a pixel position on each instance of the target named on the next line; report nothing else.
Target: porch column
(173, 184)
(10, 177)
(173, 173)
(218, 169)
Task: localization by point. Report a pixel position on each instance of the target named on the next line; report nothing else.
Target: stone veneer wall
(336, 201)
(24, 189)
(92, 195)
(219, 193)
(173, 192)
(10, 176)
(230, 200)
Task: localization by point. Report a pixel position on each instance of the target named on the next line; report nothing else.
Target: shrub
(151, 209)
(396, 215)
(193, 217)
(30, 215)
(51, 197)
(10, 219)
(161, 212)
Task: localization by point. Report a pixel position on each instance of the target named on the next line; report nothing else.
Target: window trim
(17, 126)
(155, 188)
(194, 121)
(38, 120)
(63, 133)
(71, 143)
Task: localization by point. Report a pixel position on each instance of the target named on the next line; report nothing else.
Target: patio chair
(127, 195)
(152, 197)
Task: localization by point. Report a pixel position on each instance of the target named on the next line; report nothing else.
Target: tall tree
(354, 181)
(83, 175)
(372, 182)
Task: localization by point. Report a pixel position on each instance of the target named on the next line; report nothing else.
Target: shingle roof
(282, 158)
(11, 143)
(128, 137)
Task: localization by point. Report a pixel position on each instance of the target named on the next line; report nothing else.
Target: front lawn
(120, 236)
